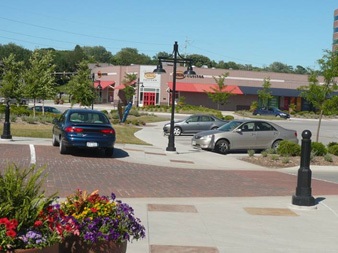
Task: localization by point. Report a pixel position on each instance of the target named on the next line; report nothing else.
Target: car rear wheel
(109, 152)
(222, 147)
(63, 148)
(55, 141)
(275, 145)
(177, 131)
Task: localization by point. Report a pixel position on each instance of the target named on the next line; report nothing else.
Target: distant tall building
(335, 31)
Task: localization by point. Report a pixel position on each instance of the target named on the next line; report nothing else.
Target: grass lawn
(124, 133)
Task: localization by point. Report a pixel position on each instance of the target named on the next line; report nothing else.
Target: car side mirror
(238, 130)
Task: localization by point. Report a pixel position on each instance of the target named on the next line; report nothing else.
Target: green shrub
(134, 113)
(333, 149)
(318, 148)
(332, 144)
(288, 148)
(328, 158)
(274, 157)
(270, 151)
(251, 152)
(264, 153)
(285, 159)
(29, 119)
(228, 117)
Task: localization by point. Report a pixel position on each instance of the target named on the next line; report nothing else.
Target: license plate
(92, 144)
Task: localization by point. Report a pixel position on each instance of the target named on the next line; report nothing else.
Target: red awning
(122, 86)
(199, 87)
(104, 84)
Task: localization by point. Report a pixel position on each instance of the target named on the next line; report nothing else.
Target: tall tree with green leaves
(265, 94)
(12, 78)
(320, 94)
(80, 87)
(219, 94)
(129, 90)
(39, 77)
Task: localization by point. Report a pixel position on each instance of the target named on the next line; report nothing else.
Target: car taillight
(73, 129)
(108, 131)
(296, 134)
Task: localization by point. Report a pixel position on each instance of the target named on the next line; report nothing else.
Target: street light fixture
(138, 91)
(176, 58)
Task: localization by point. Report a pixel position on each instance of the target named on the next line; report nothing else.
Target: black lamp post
(176, 58)
(7, 124)
(99, 88)
(138, 91)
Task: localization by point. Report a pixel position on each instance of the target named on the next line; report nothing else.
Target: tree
(12, 78)
(20, 53)
(265, 94)
(219, 95)
(319, 94)
(279, 68)
(39, 77)
(128, 56)
(80, 86)
(200, 60)
(129, 90)
(98, 54)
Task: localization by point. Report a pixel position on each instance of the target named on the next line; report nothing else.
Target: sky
(255, 32)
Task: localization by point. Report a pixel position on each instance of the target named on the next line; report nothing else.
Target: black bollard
(303, 195)
(6, 134)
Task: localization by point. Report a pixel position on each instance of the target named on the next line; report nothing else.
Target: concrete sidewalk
(248, 224)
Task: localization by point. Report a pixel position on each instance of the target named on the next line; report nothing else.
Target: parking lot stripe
(33, 155)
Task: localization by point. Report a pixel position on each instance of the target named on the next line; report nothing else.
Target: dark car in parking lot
(50, 109)
(83, 128)
(271, 111)
(194, 124)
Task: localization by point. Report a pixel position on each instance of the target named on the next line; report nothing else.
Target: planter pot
(50, 249)
(74, 244)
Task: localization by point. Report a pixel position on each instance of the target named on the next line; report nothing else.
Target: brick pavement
(89, 171)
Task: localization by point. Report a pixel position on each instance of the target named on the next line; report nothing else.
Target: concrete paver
(193, 200)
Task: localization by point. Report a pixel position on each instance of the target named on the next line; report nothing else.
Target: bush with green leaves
(318, 148)
(21, 193)
(333, 149)
(251, 152)
(328, 158)
(228, 117)
(288, 148)
(332, 144)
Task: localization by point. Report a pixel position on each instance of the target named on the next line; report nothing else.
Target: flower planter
(50, 249)
(75, 244)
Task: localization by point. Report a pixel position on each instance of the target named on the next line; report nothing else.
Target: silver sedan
(194, 123)
(243, 135)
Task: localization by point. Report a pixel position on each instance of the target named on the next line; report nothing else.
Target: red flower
(4, 221)
(37, 223)
(11, 233)
(94, 210)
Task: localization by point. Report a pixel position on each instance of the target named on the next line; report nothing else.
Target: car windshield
(88, 117)
(230, 126)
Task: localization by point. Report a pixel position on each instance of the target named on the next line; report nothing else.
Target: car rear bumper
(80, 143)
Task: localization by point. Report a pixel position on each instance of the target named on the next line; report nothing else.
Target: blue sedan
(83, 128)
